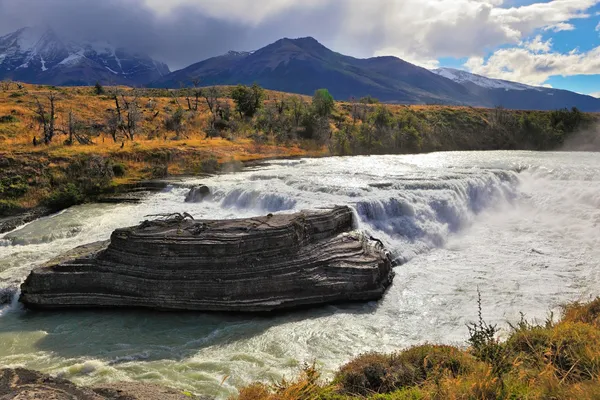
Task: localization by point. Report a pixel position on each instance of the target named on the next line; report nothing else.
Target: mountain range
(290, 65)
(40, 56)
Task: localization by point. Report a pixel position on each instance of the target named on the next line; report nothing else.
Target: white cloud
(423, 30)
(598, 27)
(428, 63)
(595, 94)
(561, 26)
(524, 64)
(537, 45)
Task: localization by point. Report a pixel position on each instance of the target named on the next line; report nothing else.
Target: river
(522, 227)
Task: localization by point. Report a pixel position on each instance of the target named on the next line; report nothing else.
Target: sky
(553, 43)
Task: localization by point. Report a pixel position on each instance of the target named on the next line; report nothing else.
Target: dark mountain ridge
(304, 65)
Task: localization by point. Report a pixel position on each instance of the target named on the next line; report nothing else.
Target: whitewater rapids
(522, 227)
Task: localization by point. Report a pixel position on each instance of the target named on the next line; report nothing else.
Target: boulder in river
(197, 194)
(246, 265)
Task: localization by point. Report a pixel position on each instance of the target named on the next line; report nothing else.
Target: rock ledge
(246, 265)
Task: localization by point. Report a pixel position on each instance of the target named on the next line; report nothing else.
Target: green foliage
(210, 165)
(119, 170)
(13, 187)
(369, 100)
(7, 119)
(16, 95)
(486, 346)
(9, 207)
(248, 100)
(323, 103)
(65, 197)
(99, 89)
(380, 373)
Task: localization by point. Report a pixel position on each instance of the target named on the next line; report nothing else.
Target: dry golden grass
(556, 361)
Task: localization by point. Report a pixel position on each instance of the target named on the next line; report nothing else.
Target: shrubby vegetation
(555, 360)
(153, 133)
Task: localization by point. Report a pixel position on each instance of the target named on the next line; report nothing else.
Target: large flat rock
(257, 264)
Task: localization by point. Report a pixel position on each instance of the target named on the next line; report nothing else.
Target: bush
(119, 170)
(587, 313)
(7, 119)
(210, 165)
(65, 197)
(9, 207)
(380, 373)
(575, 351)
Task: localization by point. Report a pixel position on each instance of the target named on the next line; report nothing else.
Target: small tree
(323, 103)
(99, 89)
(248, 100)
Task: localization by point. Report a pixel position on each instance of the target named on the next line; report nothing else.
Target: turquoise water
(523, 227)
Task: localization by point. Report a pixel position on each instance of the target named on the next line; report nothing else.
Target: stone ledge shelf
(258, 264)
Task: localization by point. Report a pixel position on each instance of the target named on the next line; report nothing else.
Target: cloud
(184, 31)
(595, 94)
(561, 26)
(534, 62)
(537, 45)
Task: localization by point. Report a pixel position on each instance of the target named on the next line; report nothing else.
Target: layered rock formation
(256, 264)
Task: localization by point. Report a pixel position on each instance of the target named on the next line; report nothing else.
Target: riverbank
(66, 146)
(554, 360)
(28, 385)
(43, 181)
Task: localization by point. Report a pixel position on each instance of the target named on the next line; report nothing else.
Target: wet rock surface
(197, 194)
(246, 265)
(26, 384)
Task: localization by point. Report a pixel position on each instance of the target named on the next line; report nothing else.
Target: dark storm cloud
(182, 37)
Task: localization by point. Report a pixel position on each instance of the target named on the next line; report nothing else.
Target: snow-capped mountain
(40, 56)
(497, 92)
(460, 76)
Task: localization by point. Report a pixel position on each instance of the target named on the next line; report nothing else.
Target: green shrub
(575, 351)
(9, 207)
(210, 165)
(119, 170)
(381, 373)
(7, 119)
(15, 95)
(65, 197)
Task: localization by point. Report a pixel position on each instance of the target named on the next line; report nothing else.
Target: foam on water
(523, 227)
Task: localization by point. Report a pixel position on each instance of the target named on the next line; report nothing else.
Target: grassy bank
(63, 146)
(556, 360)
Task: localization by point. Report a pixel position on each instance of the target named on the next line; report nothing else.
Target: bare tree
(73, 129)
(46, 116)
(133, 116)
(197, 92)
(6, 84)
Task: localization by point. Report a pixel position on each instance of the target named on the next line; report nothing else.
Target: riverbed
(522, 228)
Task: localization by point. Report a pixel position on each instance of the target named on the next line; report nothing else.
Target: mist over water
(523, 227)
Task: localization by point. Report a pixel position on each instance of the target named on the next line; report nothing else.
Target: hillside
(40, 56)
(99, 142)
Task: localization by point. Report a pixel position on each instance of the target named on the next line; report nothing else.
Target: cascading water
(522, 227)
